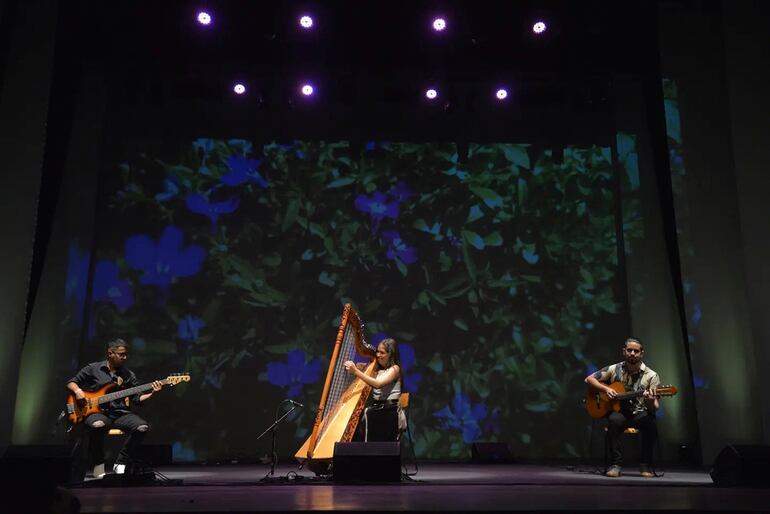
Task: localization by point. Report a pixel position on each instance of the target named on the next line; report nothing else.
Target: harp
(343, 398)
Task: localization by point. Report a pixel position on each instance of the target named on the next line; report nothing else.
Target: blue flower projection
(77, 278)
(463, 416)
(165, 261)
(699, 382)
(375, 145)
(108, 286)
(400, 192)
(204, 144)
(182, 453)
(408, 359)
(243, 170)
(246, 146)
(530, 256)
(170, 189)
(189, 328)
(397, 248)
(378, 207)
(295, 373)
(200, 204)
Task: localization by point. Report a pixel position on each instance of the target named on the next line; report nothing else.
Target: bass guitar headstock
(177, 378)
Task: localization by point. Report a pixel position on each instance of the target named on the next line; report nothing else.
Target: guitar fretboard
(117, 395)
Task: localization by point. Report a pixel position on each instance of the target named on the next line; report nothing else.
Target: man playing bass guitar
(116, 413)
(639, 412)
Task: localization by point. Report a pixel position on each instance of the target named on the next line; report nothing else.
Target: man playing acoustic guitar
(116, 413)
(638, 412)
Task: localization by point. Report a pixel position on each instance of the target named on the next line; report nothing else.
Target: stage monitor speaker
(367, 462)
(39, 463)
(491, 453)
(742, 465)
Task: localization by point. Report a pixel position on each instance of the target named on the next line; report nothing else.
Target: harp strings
(341, 379)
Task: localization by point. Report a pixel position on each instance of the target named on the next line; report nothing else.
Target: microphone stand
(271, 429)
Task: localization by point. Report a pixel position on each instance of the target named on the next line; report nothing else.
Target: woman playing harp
(380, 420)
(344, 395)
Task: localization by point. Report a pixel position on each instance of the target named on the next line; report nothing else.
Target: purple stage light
(307, 89)
(539, 27)
(439, 24)
(239, 88)
(306, 22)
(204, 18)
(501, 94)
(431, 94)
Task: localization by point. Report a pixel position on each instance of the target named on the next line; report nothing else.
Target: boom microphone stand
(271, 429)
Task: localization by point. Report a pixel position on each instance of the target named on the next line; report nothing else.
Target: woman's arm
(391, 375)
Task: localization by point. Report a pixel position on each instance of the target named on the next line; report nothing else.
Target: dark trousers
(128, 423)
(379, 422)
(617, 422)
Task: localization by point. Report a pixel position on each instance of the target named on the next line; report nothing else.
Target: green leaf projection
(495, 270)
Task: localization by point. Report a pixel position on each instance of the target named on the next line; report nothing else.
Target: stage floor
(457, 487)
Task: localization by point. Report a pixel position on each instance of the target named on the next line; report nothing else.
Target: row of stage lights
(307, 23)
(307, 90)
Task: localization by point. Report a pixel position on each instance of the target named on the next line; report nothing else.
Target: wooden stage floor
(458, 487)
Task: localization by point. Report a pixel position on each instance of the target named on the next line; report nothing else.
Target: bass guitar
(77, 411)
(598, 404)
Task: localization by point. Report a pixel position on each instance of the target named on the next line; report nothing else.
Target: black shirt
(96, 375)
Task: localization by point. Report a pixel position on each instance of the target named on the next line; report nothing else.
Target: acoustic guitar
(77, 412)
(598, 404)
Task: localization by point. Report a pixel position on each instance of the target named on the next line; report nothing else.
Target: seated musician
(382, 420)
(115, 414)
(638, 412)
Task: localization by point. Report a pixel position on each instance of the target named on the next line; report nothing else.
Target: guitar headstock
(177, 378)
(666, 390)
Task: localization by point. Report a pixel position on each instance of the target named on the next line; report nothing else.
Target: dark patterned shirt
(96, 375)
(642, 380)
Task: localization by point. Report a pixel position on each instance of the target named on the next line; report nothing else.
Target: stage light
(306, 22)
(307, 89)
(239, 88)
(431, 94)
(439, 24)
(204, 18)
(501, 93)
(539, 27)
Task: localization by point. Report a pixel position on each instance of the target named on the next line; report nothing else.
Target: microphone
(296, 404)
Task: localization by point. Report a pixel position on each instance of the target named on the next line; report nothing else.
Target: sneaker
(119, 469)
(613, 472)
(645, 471)
(99, 471)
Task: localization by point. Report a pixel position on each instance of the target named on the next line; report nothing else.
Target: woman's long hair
(394, 357)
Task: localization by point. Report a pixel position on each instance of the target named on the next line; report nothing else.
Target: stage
(456, 487)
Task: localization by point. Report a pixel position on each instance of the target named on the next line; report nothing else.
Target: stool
(113, 443)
